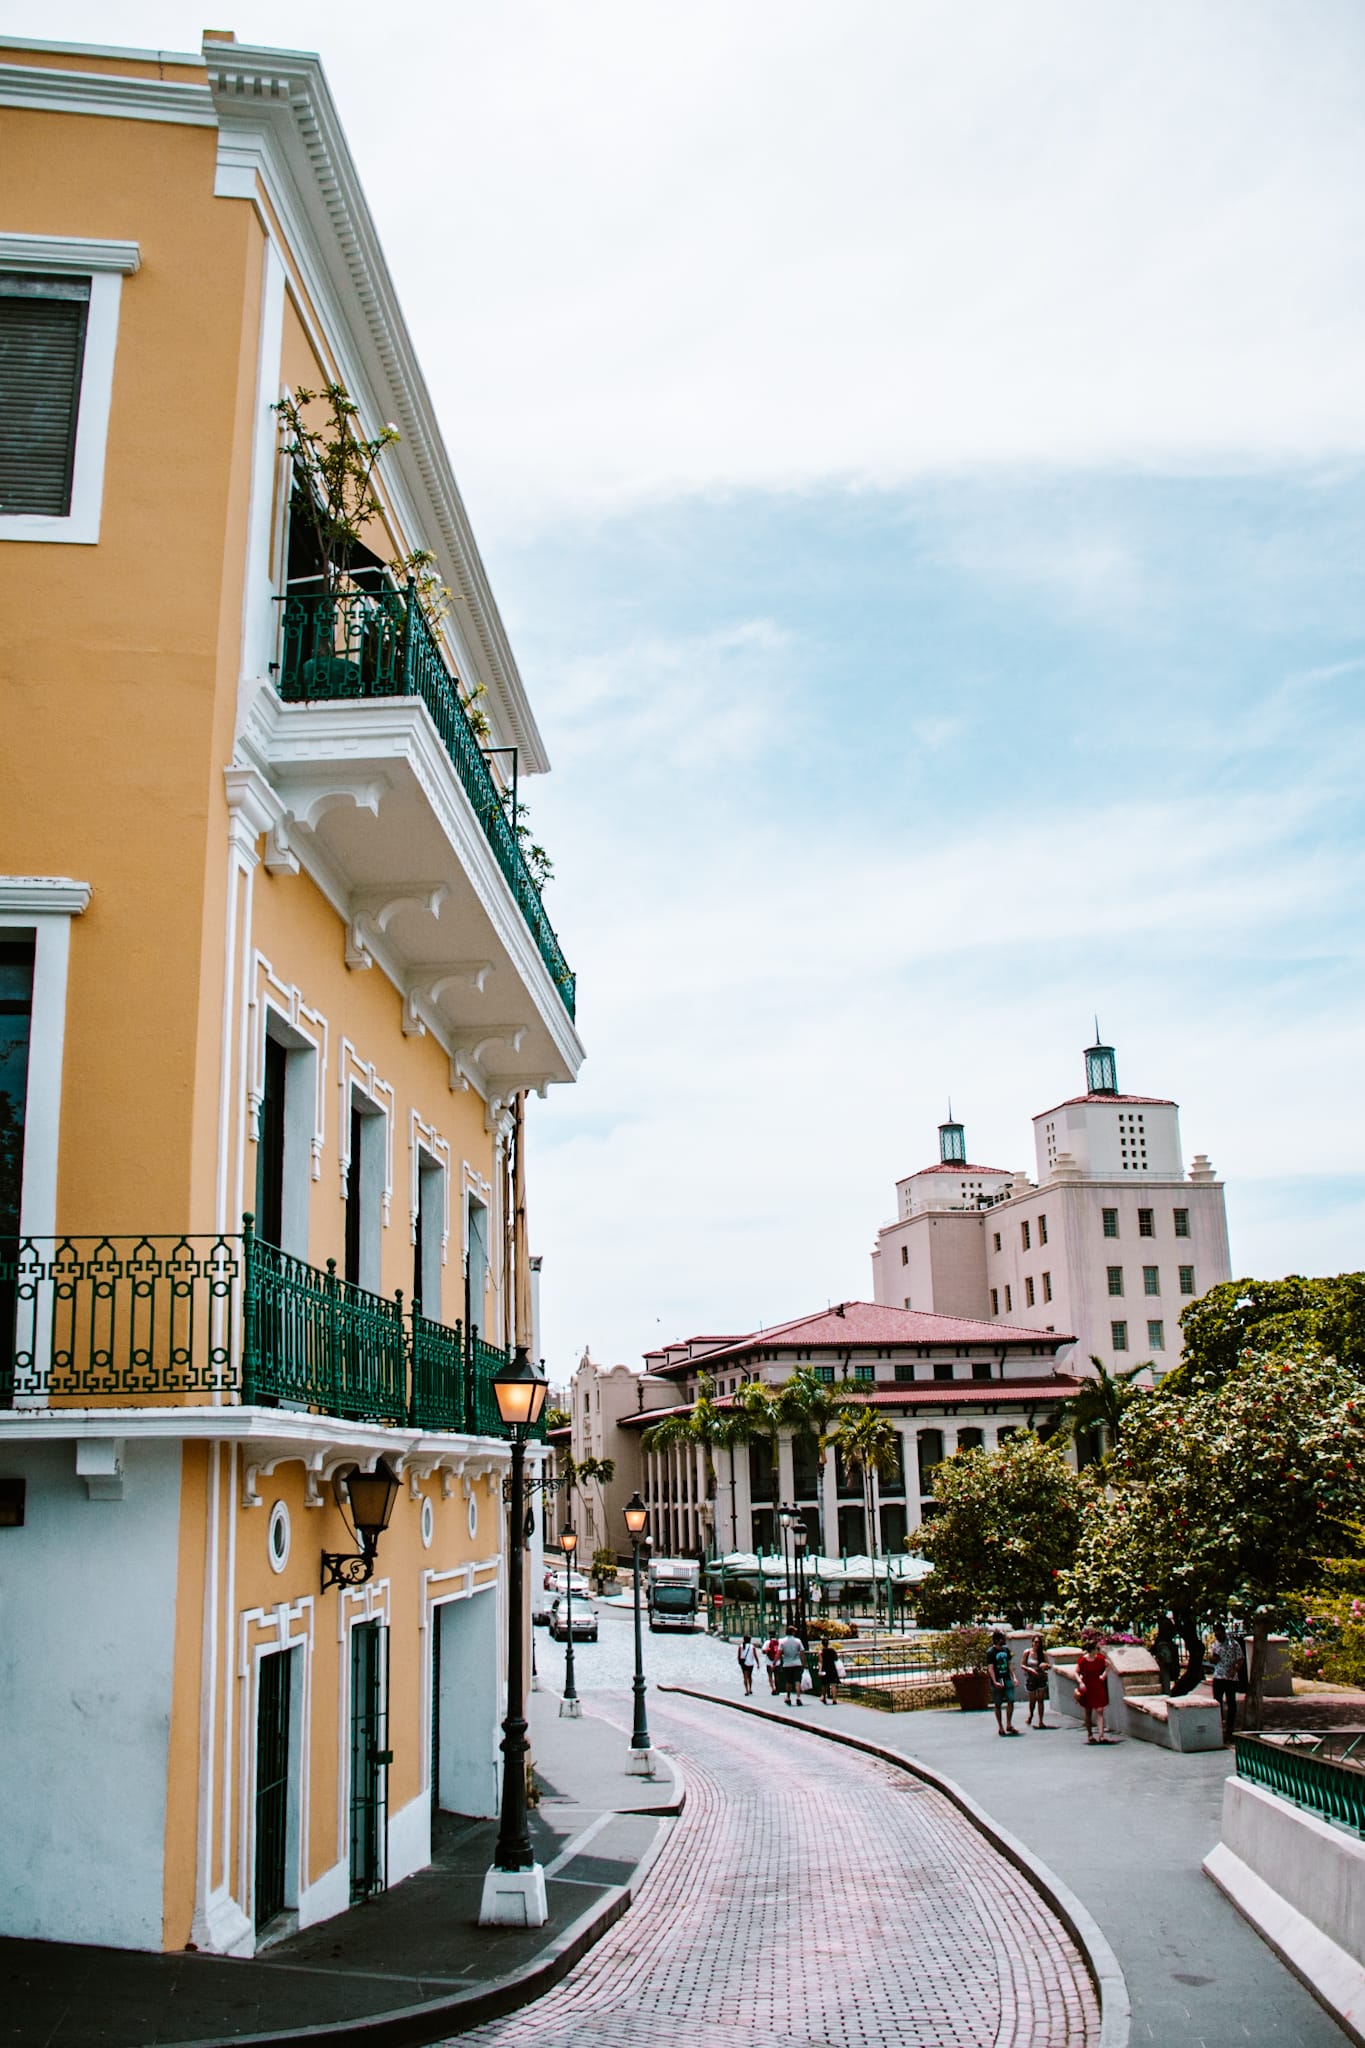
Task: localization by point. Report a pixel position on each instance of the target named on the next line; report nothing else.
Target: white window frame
(106, 264)
(44, 905)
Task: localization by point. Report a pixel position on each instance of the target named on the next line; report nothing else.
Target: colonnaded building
(946, 1383)
(993, 1293)
(277, 981)
(1112, 1241)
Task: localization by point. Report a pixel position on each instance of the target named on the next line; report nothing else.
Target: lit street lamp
(514, 1889)
(641, 1762)
(571, 1705)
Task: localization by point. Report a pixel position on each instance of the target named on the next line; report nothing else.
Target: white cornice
(67, 253)
(277, 122)
(106, 92)
(43, 895)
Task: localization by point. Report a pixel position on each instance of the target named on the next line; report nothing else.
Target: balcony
(362, 766)
(129, 1322)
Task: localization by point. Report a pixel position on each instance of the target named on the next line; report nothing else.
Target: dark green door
(370, 1757)
(272, 1786)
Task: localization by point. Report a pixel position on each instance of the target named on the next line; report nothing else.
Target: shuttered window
(42, 350)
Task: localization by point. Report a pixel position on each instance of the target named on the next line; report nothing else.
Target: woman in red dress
(1092, 1686)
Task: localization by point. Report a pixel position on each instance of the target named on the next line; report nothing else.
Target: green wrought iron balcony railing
(215, 1320)
(360, 645)
(1322, 1771)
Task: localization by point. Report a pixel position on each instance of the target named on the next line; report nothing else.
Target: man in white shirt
(792, 1662)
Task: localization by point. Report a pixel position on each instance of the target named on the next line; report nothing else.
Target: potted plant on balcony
(962, 1653)
(334, 494)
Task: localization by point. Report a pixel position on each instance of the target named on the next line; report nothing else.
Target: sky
(919, 453)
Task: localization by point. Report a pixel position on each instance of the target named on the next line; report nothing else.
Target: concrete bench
(1191, 1722)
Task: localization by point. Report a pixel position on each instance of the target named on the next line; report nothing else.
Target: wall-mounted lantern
(366, 1499)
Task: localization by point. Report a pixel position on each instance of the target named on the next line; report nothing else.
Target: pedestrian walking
(1229, 1675)
(1166, 1650)
(747, 1658)
(1092, 1686)
(792, 1656)
(772, 1652)
(1000, 1665)
(831, 1671)
(1037, 1665)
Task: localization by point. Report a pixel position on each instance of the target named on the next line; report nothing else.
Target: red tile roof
(947, 1167)
(1028, 1393)
(1151, 1101)
(866, 1325)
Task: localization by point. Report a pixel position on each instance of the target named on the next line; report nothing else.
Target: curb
(1102, 1965)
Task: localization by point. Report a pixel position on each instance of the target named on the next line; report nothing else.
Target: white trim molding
(268, 992)
(69, 255)
(45, 905)
(106, 264)
(424, 1137)
(352, 1071)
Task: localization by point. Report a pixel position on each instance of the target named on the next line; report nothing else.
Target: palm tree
(813, 1407)
(866, 1441)
(706, 1428)
(1099, 1404)
(758, 1414)
(573, 1472)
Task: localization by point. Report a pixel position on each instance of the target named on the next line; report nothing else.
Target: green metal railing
(314, 1341)
(1300, 1770)
(149, 1320)
(130, 1319)
(369, 644)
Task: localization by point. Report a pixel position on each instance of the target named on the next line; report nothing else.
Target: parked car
(584, 1620)
(558, 1583)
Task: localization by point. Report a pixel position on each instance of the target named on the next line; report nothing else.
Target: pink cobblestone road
(811, 1895)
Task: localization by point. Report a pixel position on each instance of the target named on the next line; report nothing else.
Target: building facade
(276, 984)
(1113, 1240)
(945, 1383)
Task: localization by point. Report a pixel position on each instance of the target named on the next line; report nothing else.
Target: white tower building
(1112, 1241)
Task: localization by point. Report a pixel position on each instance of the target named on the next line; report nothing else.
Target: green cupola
(1101, 1068)
(952, 1142)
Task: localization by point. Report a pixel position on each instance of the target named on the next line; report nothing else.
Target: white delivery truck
(674, 1592)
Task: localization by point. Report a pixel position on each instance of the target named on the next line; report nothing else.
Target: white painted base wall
(87, 1627)
(409, 1839)
(330, 1895)
(1301, 1884)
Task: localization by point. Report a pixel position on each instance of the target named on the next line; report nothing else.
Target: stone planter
(973, 1689)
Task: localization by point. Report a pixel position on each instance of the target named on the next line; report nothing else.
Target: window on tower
(1042, 1230)
(995, 1235)
(1047, 1287)
(1187, 1279)
(905, 1255)
(1182, 1222)
(1110, 1218)
(1151, 1280)
(995, 1301)
(1024, 1235)
(1156, 1336)
(1028, 1293)
(1009, 1300)
(1118, 1336)
(1115, 1279)
(1146, 1224)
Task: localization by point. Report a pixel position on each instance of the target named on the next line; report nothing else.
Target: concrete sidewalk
(1126, 1830)
(409, 1966)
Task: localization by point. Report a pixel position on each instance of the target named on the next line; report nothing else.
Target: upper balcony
(227, 1321)
(377, 785)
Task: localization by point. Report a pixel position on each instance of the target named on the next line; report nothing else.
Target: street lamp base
(641, 1763)
(571, 1710)
(514, 1898)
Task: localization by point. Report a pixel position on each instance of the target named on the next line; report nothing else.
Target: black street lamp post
(800, 1536)
(514, 1889)
(570, 1706)
(641, 1761)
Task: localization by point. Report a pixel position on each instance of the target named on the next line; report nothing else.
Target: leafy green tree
(758, 1415)
(1264, 1315)
(1226, 1498)
(1007, 1524)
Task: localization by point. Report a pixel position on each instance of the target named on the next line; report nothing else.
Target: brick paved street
(813, 1896)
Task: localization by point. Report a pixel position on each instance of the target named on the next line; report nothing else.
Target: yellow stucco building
(270, 949)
